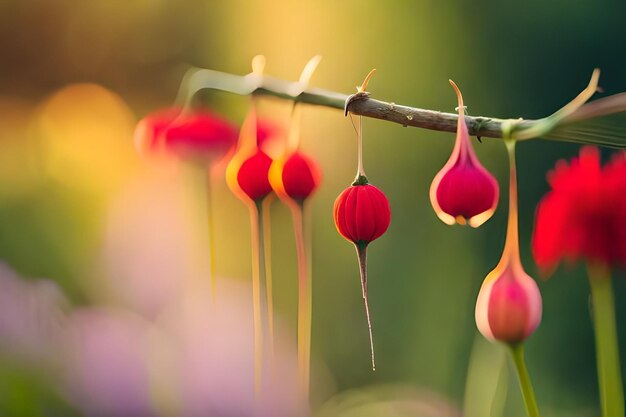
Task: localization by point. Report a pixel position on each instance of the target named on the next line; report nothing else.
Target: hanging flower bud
(200, 136)
(464, 191)
(252, 176)
(509, 308)
(296, 177)
(362, 213)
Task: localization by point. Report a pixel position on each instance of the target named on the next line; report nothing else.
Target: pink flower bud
(508, 308)
(464, 191)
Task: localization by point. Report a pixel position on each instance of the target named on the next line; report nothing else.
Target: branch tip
(459, 96)
(366, 81)
(258, 65)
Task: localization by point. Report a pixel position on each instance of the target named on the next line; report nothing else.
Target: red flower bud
(296, 177)
(508, 308)
(464, 191)
(201, 135)
(252, 176)
(362, 213)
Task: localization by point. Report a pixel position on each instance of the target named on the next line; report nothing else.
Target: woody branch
(364, 105)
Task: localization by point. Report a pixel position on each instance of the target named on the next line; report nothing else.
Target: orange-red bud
(297, 177)
(252, 176)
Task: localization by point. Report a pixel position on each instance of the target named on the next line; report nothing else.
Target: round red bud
(362, 213)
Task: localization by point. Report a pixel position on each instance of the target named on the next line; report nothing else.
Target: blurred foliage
(66, 151)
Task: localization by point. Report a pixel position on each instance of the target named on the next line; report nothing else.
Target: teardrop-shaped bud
(201, 136)
(252, 176)
(362, 213)
(464, 191)
(509, 306)
(296, 177)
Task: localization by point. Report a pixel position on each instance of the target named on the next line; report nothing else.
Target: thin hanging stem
(304, 299)
(293, 140)
(607, 350)
(361, 251)
(256, 298)
(267, 250)
(511, 245)
(359, 138)
(528, 393)
(262, 341)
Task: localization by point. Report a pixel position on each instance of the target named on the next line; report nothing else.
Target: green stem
(517, 352)
(607, 352)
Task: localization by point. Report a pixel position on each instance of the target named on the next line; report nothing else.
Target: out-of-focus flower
(582, 216)
(252, 176)
(464, 191)
(106, 368)
(84, 131)
(297, 176)
(200, 135)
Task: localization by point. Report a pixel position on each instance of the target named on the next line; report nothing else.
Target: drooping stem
(305, 299)
(361, 251)
(528, 393)
(267, 250)
(607, 351)
(293, 140)
(511, 245)
(259, 300)
(359, 138)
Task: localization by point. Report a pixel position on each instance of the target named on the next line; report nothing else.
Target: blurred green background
(510, 59)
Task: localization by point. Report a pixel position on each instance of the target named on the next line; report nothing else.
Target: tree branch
(197, 79)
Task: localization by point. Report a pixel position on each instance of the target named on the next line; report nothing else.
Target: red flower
(296, 177)
(252, 176)
(362, 213)
(583, 215)
(463, 191)
(200, 135)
